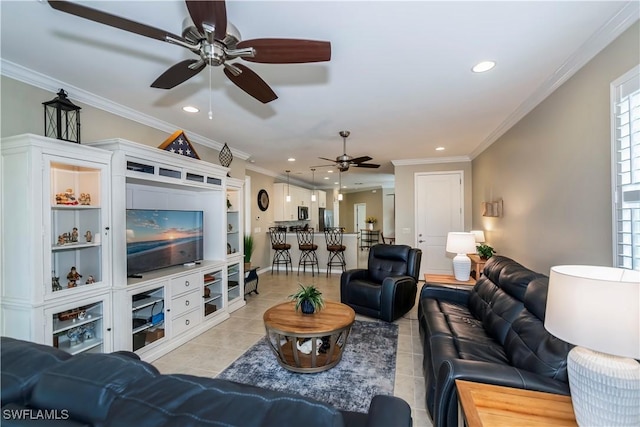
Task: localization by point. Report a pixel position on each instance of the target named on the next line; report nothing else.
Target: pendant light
(340, 188)
(288, 198)
(313, 178)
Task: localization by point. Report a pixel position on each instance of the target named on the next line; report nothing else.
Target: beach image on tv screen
(162, 238)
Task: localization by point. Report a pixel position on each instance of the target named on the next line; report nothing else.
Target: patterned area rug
(367, 368)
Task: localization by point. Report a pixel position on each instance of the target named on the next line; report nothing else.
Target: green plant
(485, 251)
(248, 247)
(308, 293)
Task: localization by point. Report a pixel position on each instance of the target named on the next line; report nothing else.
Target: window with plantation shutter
(625, 103)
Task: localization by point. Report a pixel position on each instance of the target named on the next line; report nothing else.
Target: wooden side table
(482, 405)
(477, 265)
(447, 279)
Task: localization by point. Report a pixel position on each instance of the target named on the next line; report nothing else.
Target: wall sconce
(492, 209)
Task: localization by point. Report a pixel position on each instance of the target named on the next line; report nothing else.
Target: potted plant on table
(371, 220)
(248, 251)
(485, 251)
(309, 299)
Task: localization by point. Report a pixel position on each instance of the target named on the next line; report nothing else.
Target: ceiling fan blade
(361, 159)
(324, 166)
(112, 20)
(287, 51)
(213, 12)
(177, 74)
(329, 160)
(366, 165)
(251, 83)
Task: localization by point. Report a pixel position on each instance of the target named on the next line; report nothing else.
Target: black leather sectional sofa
(45, 386)
(491, 333)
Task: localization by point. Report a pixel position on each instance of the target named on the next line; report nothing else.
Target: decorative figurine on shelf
(55, 283)
(73, 277)
(66, 198)
(74, 235)
(66, 237)
(85, 199)
(90, 280)
(74, 336)
(88, 236)
(61, 240)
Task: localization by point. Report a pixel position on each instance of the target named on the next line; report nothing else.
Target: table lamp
(598, 310)
(461, 244)
(479, 235)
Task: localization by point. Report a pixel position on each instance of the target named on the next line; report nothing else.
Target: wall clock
(263, 200)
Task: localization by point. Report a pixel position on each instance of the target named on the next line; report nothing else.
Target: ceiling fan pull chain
(210, 96)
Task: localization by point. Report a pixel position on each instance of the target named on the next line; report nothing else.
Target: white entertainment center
(46, 185)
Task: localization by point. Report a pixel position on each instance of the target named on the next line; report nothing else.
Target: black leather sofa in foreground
(491, 333)
(118, 389)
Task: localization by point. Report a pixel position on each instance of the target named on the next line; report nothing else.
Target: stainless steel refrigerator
(325, 218)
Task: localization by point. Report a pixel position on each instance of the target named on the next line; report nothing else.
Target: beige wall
(552, 170)
(374, 208)
(22, 112)
(405, 201)
(260, 221)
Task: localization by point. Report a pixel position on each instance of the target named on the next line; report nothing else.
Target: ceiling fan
(216, 41)
(343, 162)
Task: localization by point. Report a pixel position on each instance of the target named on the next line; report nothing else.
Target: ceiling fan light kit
(208, 34)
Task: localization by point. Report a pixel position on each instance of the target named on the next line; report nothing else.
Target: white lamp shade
(479, 234)
(461, 243)
(595, 307)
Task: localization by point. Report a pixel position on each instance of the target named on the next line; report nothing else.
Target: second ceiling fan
(345, 161)
(216, 41)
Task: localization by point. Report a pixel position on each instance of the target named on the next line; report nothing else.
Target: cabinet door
(212, 292)
(147, 317)
(81, 326)
(76, 201)
(235, 283)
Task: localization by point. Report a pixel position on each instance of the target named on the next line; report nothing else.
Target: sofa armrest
(446, 399)
(387, 411)
(446, 293)
(347, 276)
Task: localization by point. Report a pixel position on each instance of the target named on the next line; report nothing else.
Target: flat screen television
(162, 238)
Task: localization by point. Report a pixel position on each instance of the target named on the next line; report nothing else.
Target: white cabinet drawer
(185, 283)
(186, 302)
(181, 324)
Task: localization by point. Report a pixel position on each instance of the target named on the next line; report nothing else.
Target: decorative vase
(370, 226)
(307, 307)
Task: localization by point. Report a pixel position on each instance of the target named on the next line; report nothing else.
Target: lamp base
(461, 267)
(605, 389)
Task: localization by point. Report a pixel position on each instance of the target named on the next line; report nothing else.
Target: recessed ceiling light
(335, 183)
(291, 159)
(439, 148)
(330, 171)
(483, 66)
(190, 109)
(326, 177)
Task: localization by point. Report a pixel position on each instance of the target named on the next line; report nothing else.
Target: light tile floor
(211, 352)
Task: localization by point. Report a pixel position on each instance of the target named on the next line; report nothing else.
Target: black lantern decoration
(62, 118)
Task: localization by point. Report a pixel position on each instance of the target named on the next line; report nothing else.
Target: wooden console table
(483, 405)
(447, 279)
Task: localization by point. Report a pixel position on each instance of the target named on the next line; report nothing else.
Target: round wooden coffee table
(288, 333)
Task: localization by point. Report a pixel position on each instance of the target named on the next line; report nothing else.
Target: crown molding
(430, 161)
(620, 22)
(34, 78)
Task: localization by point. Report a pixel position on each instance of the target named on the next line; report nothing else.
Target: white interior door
(439, 201)
(359, 215)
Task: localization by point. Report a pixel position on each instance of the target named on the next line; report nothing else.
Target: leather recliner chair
(387, 289)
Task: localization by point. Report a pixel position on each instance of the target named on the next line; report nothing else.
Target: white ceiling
(399, 78)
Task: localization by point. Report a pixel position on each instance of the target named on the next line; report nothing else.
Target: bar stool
(307, 251)
(333, 236)
(279, 244)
